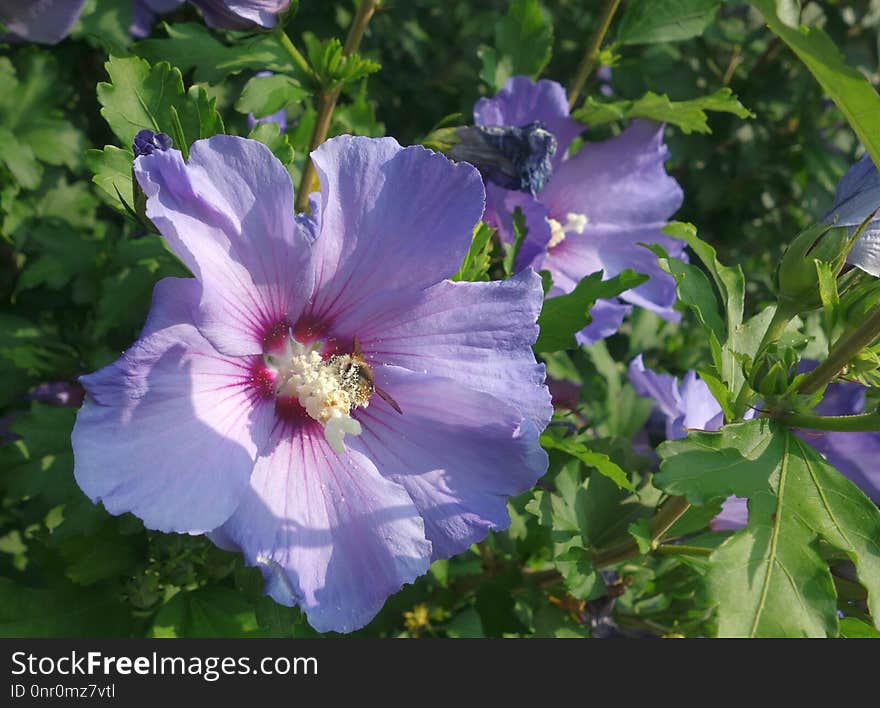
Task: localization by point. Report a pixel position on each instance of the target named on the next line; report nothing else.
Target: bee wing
(385, 396)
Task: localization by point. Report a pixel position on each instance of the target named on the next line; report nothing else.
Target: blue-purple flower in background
(593, 209)
(319, 396)
(41, 21)
(50, 21)
(688, 404)
(241, 14)
(857, 197)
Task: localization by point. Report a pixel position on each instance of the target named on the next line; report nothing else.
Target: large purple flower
(242, 410)
(690, 405)
(596, 208)
(42, 21)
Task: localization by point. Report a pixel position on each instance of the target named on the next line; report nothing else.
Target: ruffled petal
(170, 431)
(607, 316)
(662, 388)
(459, 453)
(328, 532)
(228, 214)
(42, 21)
(479, 334)
(393, 221)
(523, 101)
(619, 181)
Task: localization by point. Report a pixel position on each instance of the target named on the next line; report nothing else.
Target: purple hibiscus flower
(246, 409)
(42, 21)
(594, 208)
(690, 405)
(241, 14)
(857, 196)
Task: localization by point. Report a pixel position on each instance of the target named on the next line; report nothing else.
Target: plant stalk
(327, 102)
(841, 354)
(670, 512)
(592, 54)
(861, 423)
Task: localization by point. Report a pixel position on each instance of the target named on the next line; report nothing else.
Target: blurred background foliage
(77, 276)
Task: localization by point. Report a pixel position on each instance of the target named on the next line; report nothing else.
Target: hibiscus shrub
(453, 319)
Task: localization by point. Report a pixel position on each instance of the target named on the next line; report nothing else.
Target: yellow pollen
(558, 231)
(326, 389)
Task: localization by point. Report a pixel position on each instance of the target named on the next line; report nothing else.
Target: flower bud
(797, 276)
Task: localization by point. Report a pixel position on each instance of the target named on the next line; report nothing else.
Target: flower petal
(43, 21)
(241, 14)
(393, 221)
(228, 214)
(170, 431)
(459, 453)
(613, 249)
(478, 334)
(523, 101)
(607, 316)
(328, 532)
(618, 181)
(662, 388)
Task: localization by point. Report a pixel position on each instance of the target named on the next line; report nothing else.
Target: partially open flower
(319, 396)
(587, 212)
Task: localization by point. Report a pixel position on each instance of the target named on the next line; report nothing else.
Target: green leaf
(271, 136)
(649, 21)
(475, 266)
(139, 96)
(265, 95)
(207, 612)
(562, 317)
(523, 44)
(332, 68)
(852, 628)
(111, 168)
(193, 46)
(770, 579)
(62, 611)
(690, 115)
(640, 530)
(198, 115)
(848, 88)
(20, 160)
(596, 460)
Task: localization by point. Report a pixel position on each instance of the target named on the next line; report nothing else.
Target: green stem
(327, 102)
(592, 53)
(670, 512)
(682, 550)
(781, 318)
(862, 423)
(295, 54)
(841, 354)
